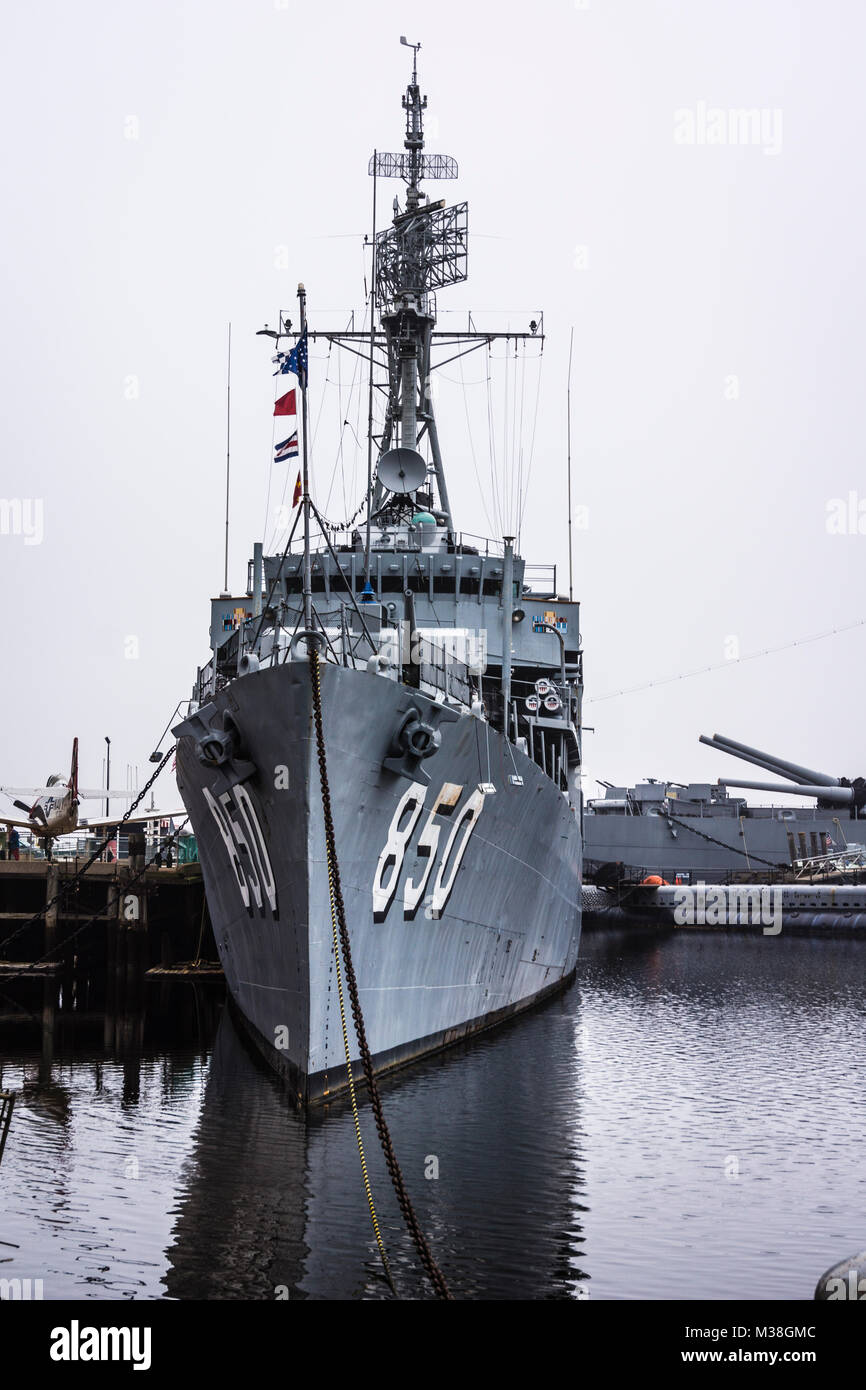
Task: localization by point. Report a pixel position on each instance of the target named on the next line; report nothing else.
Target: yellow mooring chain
(317, 701)
(355, 1115)
(341, 937)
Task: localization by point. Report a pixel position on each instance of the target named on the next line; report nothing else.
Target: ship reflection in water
(683, 1123)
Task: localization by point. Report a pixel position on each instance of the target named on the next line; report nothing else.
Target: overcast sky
(168, 168)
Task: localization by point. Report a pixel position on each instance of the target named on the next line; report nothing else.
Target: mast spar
(423, 250)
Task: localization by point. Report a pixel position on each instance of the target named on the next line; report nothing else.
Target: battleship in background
(699, 831)
(450, 688)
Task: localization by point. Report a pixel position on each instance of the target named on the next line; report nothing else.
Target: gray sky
(163, 162)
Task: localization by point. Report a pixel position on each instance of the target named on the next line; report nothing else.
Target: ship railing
(441, 671)
(206, 682)
(481, 545)
(349, 641)
(842, 860)
(345, 644)
(540, 579)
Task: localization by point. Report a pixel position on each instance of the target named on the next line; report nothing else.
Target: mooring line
(338, 916)
(356, 1117)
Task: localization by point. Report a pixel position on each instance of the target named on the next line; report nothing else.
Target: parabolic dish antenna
(402, 470)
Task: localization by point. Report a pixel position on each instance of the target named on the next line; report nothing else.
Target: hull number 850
(458, 826)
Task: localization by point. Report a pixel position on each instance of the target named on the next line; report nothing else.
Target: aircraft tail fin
(73, 773)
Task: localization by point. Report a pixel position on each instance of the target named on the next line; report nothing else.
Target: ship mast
(411, 325)
(414, 105)
(424, 249)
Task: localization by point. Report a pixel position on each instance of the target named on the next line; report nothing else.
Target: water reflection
(275, 1204)
(724, 1104)
(683, 1123)
(107, 1094)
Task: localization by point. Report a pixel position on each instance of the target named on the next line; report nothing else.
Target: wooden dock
(158, 920)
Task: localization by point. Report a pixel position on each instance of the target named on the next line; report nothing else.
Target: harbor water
(684, 1122)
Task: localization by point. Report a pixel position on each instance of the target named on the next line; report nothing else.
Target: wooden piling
(52, 888)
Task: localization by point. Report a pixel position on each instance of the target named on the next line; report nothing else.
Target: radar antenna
(413, 165)
(425, 249)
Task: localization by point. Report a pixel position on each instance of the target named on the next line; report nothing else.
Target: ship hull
(713, 847)
(462, 908)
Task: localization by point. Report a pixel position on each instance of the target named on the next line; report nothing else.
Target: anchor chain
(747, 854)
(433, 1271)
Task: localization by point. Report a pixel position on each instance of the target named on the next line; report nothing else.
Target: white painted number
(394, 851)
(246, 848)
(395, 848)
(428, 844)
(442, 887)
(256, 839)
(224, 828)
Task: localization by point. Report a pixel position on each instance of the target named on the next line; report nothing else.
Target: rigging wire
(520, 440)
(504, 502)
(452, 380)
(340, 461)
(531, 449)
(491, 443)
(733, 661)
(270, 471)
(515, 441)
(481, 492)
(506, 460)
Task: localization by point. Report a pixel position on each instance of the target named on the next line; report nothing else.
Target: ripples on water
(685, 1122)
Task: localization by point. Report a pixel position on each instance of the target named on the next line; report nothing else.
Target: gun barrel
(769, 761)
(762, 762)
(842, 796)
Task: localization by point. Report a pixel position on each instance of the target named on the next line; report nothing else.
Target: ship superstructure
(701, 831)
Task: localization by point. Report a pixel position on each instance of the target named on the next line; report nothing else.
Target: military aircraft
(52, 810)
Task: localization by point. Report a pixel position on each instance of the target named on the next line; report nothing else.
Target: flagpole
(228, 454)
(568, 412)
(302, 379)
(370, 407)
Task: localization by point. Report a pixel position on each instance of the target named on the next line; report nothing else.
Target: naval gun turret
(801, 781)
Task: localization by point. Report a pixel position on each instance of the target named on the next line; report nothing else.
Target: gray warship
(700, 831)
(450, 678)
